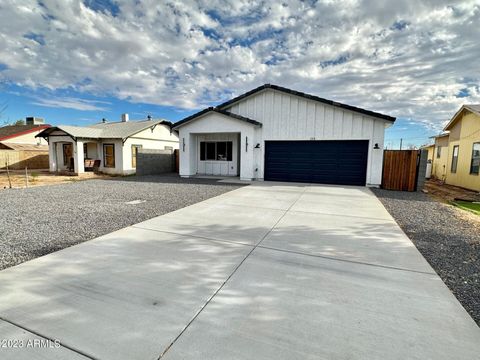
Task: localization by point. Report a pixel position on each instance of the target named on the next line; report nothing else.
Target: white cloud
(72, 103)
(402, 57)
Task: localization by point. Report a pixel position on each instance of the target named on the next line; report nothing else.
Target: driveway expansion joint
(228, 278)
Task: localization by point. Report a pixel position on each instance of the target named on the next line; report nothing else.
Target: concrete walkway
(268, 271)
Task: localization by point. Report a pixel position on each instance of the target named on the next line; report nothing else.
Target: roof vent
(124, 117)
(104, 120)
(149, 117)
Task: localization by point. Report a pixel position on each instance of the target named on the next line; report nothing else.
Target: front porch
(74, 156)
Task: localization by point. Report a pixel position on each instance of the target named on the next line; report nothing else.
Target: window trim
(472, 158)
(137, 146)
(85, 151)
(229, 155)
(105, 158)
(439, 152)
(453, 169)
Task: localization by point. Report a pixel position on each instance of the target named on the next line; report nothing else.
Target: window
(109, 155)
(439, 152)
(85, 151)
(135, 149)
(475, 164)
(453, 169)
(67, 154)
(216, 151)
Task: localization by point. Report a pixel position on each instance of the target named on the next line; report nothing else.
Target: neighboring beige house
(110, 147)
(463, 159)
(20, 149)
(23, 134)
(440, 157)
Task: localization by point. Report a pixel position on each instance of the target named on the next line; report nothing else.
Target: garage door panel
(331, 162)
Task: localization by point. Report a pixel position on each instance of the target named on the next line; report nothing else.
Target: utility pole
(401, 141)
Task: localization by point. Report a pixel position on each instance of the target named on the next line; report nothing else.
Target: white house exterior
(278, 134)
(110, 147)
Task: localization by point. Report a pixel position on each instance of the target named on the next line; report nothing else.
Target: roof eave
(307, 96)
(218, 111)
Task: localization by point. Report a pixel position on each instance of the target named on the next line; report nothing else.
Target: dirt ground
(448, 193)
(41, 177)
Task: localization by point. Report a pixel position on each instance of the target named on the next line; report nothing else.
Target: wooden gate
(400, 170)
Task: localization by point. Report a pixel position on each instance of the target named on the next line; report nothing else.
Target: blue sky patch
(337, 61)
(105, 6)
(463, 93)
(38, 38)
(3, 67)
(400, 25)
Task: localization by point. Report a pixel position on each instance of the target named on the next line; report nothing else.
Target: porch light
(257, 146)
(183, 144)
(376, 147)
(246, 143)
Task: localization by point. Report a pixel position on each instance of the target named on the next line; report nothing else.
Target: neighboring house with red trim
(22, 134)
(20, 148)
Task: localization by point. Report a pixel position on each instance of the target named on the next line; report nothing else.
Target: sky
(76, 62)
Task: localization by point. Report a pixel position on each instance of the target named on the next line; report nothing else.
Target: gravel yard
(449, 238)
(40, 220)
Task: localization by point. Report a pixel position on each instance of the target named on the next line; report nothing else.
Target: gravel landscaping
(449, 238)
(37, 221)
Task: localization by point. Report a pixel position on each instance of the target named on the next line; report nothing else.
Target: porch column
(78, 160)
(52, 156)
(247, 144)
(187, 152)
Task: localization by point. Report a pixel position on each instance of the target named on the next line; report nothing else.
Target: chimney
(124, 117)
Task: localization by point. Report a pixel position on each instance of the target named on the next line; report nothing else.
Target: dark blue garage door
(327, 162)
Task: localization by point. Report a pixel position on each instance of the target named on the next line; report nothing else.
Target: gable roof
(219, 111)
(11, 131)
(107, 130)
(474, 108)
(309, 97)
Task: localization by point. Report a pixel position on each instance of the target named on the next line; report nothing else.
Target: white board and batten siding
(290, 117)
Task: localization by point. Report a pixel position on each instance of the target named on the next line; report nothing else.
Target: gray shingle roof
(107, 130)
(474, 107)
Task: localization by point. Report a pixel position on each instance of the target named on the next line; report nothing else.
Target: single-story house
(274, 133)
(23, 134)
(110, 147)
(440, 156)
(458, 151)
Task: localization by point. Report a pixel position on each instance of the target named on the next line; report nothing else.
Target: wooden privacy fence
(400, 170)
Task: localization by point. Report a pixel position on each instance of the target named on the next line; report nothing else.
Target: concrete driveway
(268, 271)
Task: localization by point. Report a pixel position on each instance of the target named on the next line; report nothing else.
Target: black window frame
(475, 157)
(453, 167)
(104, 156)
(206, 149)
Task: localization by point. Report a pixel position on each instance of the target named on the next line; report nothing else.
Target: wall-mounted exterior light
(246, 143)
(376, 147)
(183, 144)
(257, 146)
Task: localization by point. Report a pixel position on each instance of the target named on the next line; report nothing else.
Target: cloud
(72, 103)
(406, 58)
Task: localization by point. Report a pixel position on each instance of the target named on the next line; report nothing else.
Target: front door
(68, 156)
